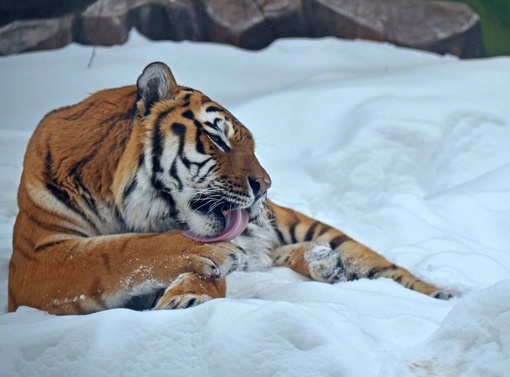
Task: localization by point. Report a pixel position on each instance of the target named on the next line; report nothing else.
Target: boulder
(108, 22)
(252, 24)
(33, 35)
(438, 26)
(174, 20)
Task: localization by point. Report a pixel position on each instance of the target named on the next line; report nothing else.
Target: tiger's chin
(205, 225)
(220, 221)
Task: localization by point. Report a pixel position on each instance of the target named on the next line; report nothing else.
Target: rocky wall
(438, 26)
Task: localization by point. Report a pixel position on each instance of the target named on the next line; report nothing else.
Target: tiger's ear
(156, 83)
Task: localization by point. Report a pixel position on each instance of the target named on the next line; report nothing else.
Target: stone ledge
(438, 26)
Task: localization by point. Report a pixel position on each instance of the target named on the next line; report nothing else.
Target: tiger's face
(198, 159)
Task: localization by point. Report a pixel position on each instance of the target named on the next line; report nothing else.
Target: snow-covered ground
(406, 151)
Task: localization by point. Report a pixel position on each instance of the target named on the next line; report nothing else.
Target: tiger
(147, 196)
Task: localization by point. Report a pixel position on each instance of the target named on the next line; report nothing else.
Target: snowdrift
(405, 151)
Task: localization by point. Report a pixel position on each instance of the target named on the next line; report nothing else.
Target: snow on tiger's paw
(324, 263)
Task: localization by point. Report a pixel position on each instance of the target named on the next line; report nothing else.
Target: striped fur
(109, 183)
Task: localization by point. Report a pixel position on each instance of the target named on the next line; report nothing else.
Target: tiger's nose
(259, 185)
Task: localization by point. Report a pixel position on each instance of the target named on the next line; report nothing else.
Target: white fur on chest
(258, 246)
(147, 211)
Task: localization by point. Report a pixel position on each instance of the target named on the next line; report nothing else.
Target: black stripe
(311, 232)
(179, 129)
(129, 190)
(157, 184)
(171, 202)
(292, 232)
(200, 165)
(190, 303)
(339, 240)
(373, 272)
(157, 150)
(48, 160)
(75, 172)
(281, 238)
(64, 197)
(214, 126)
(118, 217)
(212, 109)
(208, 172)
(174, 175)
(199, 146)
(48, 245)
(188, 114)
(54, 188)
(198, 124)
(218, 141)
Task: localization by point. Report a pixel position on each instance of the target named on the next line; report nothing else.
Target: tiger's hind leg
(351, 261)
(324, 253)
(190, 289)
(316, 260)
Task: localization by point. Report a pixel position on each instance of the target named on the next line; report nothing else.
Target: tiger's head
(196, 168)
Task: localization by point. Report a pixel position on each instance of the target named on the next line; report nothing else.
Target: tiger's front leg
(83, 275)
(325, 254)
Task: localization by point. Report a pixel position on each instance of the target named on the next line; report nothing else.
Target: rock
(175, 20)
(439, 26)
(108, 22)
(252, 24)
(33, 35)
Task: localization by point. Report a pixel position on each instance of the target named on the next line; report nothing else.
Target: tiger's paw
(216, 260)
(182, 301)
(190, 289)
(324, 263)
(444, 295)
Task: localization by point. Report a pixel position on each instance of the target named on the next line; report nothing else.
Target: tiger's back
(64, 191)
(74, 153)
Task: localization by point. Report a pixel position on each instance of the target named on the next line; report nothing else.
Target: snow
(406, 151)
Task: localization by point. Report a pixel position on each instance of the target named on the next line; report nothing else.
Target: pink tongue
(236, 222)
